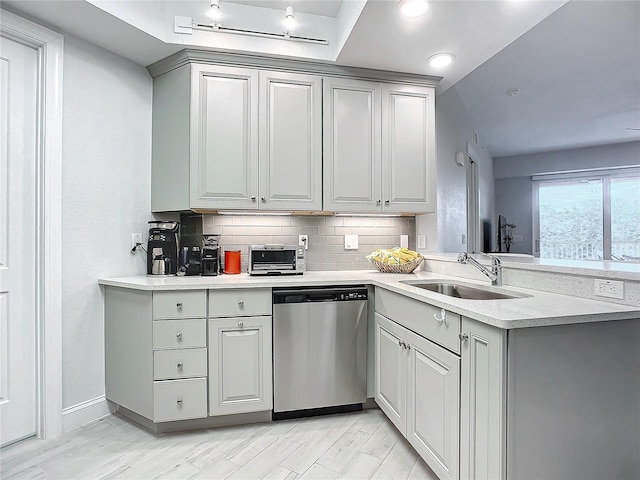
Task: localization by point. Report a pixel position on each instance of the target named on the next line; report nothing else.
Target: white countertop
(537, 309)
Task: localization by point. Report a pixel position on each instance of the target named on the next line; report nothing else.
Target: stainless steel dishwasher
(319, 350)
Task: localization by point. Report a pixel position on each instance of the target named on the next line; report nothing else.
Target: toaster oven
(276, 259)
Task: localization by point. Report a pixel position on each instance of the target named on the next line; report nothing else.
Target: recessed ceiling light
(514, 92)
(440, 60)
(413, 8)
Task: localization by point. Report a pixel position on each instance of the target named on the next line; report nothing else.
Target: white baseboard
(85, 412)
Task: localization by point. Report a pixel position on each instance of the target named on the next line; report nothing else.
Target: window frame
(605, 176)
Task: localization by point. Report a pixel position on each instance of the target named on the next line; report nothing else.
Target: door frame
(49, 46)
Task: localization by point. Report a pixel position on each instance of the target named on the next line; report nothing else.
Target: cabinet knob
(179, 401)
(179, 336)
(179, 304)
(407, 346)
(464, 337)
(240, 324)
(263, 200)
(387, 202)
(253, 198)
(378, 202)
(179, 365)
(443, 316)
(241, 303)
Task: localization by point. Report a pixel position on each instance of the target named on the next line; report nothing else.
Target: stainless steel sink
(461, 291)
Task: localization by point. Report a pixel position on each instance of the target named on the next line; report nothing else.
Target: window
(588, 216)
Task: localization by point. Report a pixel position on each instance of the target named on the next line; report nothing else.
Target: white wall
(106, 195)
(514, 187)
(445, 228)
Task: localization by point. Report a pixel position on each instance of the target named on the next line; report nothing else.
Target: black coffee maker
(162, 249)
(210, 255)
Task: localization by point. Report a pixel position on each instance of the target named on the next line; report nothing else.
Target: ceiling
(577, 64)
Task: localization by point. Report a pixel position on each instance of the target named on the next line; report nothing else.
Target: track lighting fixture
(289, 22)
(214, 12)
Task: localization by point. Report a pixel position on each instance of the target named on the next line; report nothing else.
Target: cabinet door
(240, 365)
(391, 371)
(482, 419)
(224, 137)
(433, 406)
(352, 149)
(408, 149)
(290, 141)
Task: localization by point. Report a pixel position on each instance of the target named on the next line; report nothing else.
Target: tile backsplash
(326, 236)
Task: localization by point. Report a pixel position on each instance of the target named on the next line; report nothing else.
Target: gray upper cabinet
(224, 137)
(290, 141)
(236, 138)
(408, 149)
(352, 149)
(379, 147)
(278, 135)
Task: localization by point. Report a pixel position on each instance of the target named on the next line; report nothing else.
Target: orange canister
(232, 261)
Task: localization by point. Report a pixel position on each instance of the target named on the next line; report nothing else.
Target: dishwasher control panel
(332, 294)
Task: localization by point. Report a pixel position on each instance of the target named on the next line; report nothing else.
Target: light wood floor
(350, 446)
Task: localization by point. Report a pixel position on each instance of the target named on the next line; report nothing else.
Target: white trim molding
(85, 412)
(50, 47)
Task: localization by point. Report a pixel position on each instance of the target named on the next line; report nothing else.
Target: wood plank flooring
(349, 446)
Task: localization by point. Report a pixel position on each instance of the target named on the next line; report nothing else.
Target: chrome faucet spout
(494, 274)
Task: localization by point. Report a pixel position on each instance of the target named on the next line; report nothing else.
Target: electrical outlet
(422, 241)
(136, 238)
(517, 238)
(351, 242)
(609, 289)
(304, 240)
(404, 241)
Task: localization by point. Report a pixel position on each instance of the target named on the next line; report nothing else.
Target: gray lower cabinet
(240, 351)
(418, 388)
(156, 353)
(241, 138)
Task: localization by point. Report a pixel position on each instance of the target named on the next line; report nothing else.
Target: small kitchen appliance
(210, 255)
(162, 249)
(277, 259)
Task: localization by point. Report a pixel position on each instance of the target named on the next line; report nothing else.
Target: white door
(391, 371)
(290, 141)
(224, 137)
(351, 156)
(18, 88)
(408, 149)
(433, 407)
(240, 378)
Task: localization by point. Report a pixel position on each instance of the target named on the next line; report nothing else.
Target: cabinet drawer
(419, 317)
(179, 333)
(181, 304)
(171, 364)
(239, 302)
(179, 399)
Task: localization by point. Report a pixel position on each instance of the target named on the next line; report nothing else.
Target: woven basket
(402, 268)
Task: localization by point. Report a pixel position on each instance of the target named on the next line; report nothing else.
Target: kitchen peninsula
(480, 388)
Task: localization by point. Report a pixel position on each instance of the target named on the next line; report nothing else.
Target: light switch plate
(351, 242)
(609, 289)
(422, 241)
(404, 241)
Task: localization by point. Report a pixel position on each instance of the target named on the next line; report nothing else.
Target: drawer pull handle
(179, 304)
(240, 324)
(179, 365)
(443, 316)
(464, 337)
(179, 401)
(241, 303)
(179, 336)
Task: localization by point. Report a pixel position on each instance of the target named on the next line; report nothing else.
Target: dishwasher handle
(320, 295)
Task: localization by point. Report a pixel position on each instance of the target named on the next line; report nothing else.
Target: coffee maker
(210, 255)
(162, 249)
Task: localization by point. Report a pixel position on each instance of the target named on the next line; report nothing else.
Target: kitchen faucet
(495, 274)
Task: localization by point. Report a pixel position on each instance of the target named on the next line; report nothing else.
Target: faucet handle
(463, 257)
